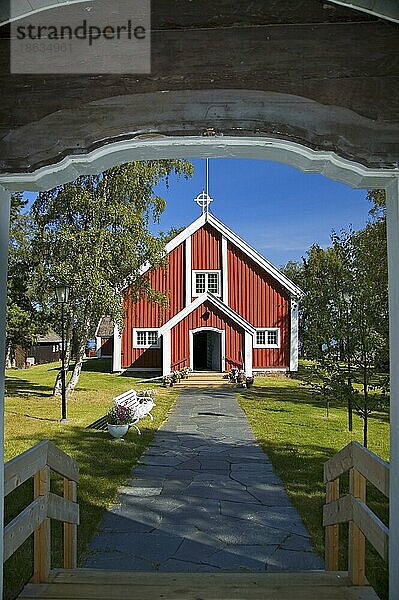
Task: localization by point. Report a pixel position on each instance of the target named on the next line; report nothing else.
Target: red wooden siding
(206, 248)
(146, 314)
(180, 337)
(263, 302)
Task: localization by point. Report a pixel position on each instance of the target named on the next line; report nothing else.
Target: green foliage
(344, 313)
(24, 322)
(93, 234)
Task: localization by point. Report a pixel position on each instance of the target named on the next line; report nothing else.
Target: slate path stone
(204, 498)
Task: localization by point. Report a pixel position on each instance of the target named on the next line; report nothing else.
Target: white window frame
(141, 329)
(206, 273)
(266, 345)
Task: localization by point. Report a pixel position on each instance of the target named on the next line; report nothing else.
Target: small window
(145, 338)
(268, 338)
(261, 338)
(213, 283)
(200, 283)
(206, 281)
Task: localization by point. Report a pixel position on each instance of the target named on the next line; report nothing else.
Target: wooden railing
(175, 366)
(35, 518)
(363, 466)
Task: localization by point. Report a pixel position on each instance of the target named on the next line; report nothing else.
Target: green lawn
(288, 419)
(290, 422)
(32, 414)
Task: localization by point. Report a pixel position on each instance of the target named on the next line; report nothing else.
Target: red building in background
(228, 307)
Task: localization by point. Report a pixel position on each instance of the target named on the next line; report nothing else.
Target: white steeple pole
(203, 200)
(207, 178)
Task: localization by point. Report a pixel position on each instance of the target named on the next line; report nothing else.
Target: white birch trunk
(57, 385)
(79, 357)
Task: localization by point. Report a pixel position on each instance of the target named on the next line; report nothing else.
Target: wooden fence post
(70, 530)
(357, 542)
(332, 531)
(41, 536)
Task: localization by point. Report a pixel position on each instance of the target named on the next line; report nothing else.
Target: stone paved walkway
(204, 498)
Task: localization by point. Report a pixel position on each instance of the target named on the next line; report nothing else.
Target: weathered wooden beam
(338, 464)
(70, 529)
(25, 465)
(61, 463)
(42, 534)
(61, 509)
(372, 467)
(339, 511)
(357, 541)
(24, 524)
(332, 531)
(376, 532)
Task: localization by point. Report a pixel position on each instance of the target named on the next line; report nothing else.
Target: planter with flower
(233, 374)
(240, 376)
(119, 418)
(175, 376)
(249, 381)
(185, 372)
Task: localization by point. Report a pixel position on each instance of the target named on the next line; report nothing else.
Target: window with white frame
(267, 338)
(145, 338)
(206, 281)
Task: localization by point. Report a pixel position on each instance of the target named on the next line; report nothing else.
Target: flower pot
(118, 431)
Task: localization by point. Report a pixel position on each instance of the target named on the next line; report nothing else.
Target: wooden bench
(141, 406)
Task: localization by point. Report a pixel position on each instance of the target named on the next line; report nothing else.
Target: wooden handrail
(37, 462)
(174, 366)
(363, 465)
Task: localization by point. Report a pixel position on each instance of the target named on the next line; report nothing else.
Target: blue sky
(277, 209)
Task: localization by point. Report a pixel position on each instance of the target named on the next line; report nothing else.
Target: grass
(32, 414)
(290, 422)
(288, 419)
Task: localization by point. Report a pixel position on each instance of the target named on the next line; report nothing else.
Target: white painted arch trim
(301, 157)
(28, 8)
(223, 345)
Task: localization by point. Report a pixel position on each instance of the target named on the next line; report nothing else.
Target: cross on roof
(203, 199)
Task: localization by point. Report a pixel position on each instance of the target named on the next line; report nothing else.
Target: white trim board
(229, 312)
(143, 369)
(291, 153)
(271, 370)
(188, 265)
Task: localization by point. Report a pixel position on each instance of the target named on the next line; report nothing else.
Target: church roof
(232, 237)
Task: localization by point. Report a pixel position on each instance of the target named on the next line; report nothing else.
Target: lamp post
(62, 294)
(348, 299)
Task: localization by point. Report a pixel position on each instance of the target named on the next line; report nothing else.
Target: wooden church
(228, 308)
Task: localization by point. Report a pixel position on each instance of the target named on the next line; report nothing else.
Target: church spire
(203, 199)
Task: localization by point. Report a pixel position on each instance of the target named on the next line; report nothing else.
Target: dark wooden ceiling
(325, 76)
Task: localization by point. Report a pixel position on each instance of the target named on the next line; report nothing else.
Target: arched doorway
(207, 349)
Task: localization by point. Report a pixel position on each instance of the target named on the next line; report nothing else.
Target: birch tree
(93, 234)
